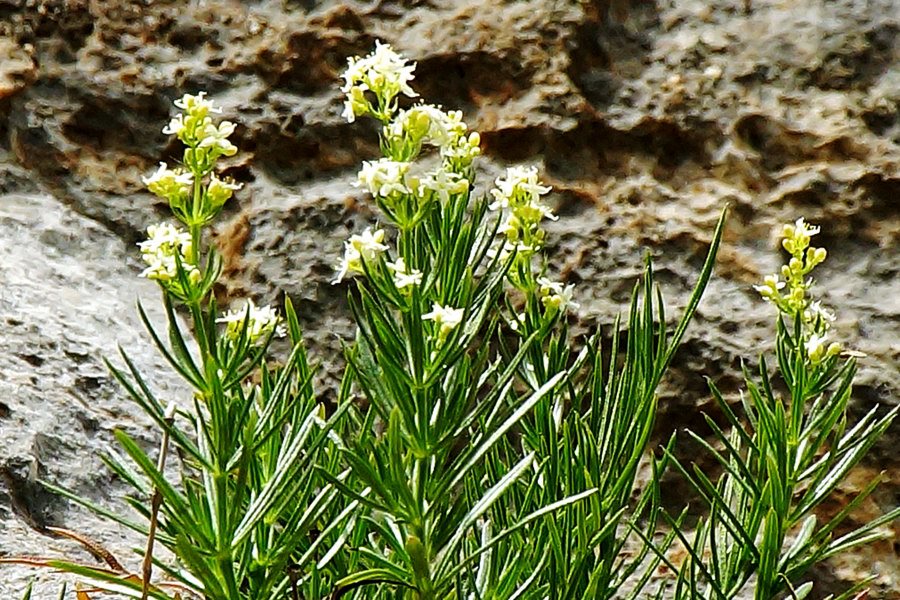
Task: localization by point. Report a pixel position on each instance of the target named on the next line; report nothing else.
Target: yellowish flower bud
(819, 255)
(219, 191)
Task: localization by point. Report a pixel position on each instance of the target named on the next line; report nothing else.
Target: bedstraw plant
(783, 454)
(474, 451)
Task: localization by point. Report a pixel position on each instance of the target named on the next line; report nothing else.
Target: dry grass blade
(147, 567)
(96, 550)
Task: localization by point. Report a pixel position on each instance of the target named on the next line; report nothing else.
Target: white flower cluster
(441, 184)
(191, 201)
(427, 124)
(170, 184)
(195, 127)
(384, 73)
(404, 277)
(389, 179)
(794, 301)
(446, 318)
(359, 248)
(383, 177)
(165, 242)
(261, 322)
(521, 192)
(555, 296)
(518, 194)
(461, 152)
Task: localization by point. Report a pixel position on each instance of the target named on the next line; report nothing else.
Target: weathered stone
(646, 117)
(67, 300)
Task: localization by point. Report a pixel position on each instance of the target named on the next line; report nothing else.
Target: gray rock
(67, 299)
(646, 117)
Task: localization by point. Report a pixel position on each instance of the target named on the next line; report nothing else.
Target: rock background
(646, 117)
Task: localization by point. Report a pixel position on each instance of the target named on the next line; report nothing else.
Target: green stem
(195, 244)
(195, 213)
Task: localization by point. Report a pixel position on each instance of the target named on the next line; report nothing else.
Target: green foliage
(784, 458)
(250, 514)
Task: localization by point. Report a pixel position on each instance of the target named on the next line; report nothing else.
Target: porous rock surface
(647, 118)
(67, 298)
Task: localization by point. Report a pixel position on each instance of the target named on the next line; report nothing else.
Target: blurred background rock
(645, 117)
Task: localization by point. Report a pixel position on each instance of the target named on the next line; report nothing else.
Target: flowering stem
(195, 216)
(195, 243)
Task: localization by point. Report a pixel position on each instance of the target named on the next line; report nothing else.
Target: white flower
(175, 126)
(817, 311)
(510, 227)
(349, 111)
(356, 104)
(383, 177)
(165, 235)
(217, 137)
(815, 347)
(520, 184)
(520, 192)
(769, 288)
(169, 183)
(554, 295)
(197, 106)
(404, 277)
(359, 248)
(443, 184)
(446, 317)
(533, 212)
(506, 248)
(800, 228)
(164, 242)
(517, 322)
(261, 321)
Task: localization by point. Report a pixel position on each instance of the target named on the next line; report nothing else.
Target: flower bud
(219, 191)
(819, 255)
